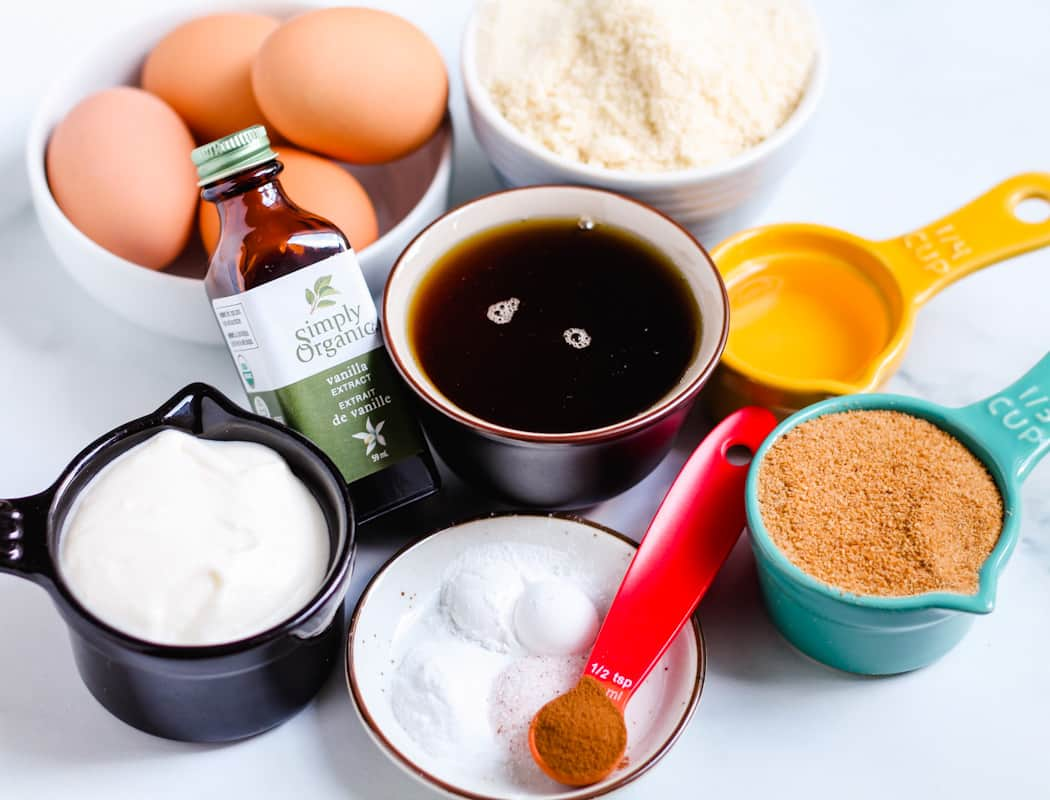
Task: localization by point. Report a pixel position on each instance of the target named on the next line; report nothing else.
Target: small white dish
(413, 577)
(711, 201)
(407, 193)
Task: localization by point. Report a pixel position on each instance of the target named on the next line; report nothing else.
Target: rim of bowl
(40, 129)
(661, 408)
(339, 573)
(631, 773)
(633, 180)
(983, 601)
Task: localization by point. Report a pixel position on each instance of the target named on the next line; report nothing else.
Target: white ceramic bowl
(655, 718)
(711, 201)
(407, 193)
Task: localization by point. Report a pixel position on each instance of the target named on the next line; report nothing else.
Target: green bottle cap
(231, 154)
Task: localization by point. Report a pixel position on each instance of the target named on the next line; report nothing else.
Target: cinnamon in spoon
(580, 736)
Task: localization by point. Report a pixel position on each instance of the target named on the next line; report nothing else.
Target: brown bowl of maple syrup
(556, 338)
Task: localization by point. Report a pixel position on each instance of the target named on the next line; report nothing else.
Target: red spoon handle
(690, 537)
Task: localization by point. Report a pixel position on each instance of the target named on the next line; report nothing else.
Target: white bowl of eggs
(108, 149)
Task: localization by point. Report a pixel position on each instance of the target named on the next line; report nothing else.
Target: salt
(518, 692)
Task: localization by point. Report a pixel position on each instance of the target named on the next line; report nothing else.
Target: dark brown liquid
(572, 282)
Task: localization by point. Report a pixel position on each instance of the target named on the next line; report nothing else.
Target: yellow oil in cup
(847, 321)
(817, 312)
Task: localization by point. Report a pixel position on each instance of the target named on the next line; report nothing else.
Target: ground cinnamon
(581, 735)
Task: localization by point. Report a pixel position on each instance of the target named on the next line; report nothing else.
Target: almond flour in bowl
(646, 85)
(880, 503)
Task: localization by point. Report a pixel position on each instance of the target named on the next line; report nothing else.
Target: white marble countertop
(928, 104)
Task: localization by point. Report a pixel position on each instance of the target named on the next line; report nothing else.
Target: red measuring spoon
(687, 542)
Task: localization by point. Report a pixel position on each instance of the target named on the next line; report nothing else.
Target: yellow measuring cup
(818, 312)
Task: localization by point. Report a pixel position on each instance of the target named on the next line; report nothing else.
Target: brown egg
(356, 84)
(119, 168)
(202, 69)
(318, 186)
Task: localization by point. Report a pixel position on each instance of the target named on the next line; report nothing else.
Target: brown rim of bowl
(642, 420)
(632, 772)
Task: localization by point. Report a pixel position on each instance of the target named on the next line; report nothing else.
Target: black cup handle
(23, 538)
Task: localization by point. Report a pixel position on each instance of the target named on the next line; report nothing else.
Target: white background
(928, 104)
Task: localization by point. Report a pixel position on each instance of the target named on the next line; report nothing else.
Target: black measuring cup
(208, 693)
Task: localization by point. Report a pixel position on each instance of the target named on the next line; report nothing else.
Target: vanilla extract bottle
(300, 323)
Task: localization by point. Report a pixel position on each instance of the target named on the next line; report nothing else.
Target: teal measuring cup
(1009, 432)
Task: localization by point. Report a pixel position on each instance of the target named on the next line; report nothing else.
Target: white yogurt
(186, 541)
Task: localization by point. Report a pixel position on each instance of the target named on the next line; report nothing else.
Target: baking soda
(465, 685)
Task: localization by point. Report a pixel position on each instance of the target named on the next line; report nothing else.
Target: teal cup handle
(1014, 424)
(1009, 432)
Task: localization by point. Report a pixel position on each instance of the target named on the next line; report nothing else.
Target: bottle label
(310, 354)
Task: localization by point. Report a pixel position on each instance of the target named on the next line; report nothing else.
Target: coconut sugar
(880, 503)
(646, 85)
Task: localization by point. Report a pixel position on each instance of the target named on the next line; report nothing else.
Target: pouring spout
(983, 602)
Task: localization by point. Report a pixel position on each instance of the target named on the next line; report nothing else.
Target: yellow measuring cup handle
(980, 233)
